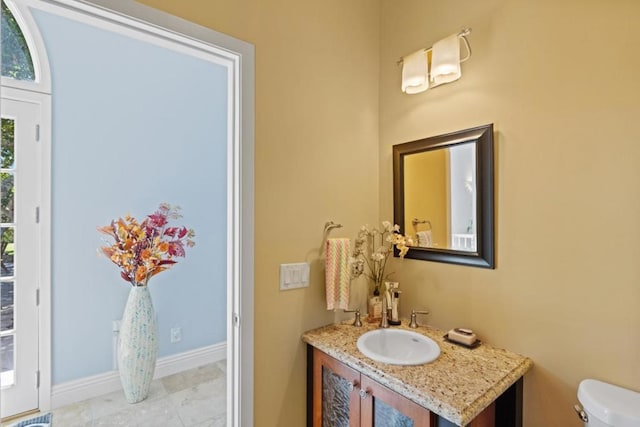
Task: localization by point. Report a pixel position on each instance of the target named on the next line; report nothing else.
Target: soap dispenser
(394, 319)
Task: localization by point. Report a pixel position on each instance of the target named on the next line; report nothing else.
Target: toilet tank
(609, 405)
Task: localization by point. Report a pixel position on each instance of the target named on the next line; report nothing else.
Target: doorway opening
(163, 31)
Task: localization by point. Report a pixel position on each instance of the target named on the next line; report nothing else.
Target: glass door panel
(385, 408)
(336, 395)
(336, 402)
(7, 252)
(387, 416)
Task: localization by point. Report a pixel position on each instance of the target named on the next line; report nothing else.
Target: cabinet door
(336, 402)
(382, 407)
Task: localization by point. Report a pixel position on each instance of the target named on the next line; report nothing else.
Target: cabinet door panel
(385, 408)
(388, 416)
(336, 402)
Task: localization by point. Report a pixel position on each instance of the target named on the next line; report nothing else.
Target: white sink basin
(398, 347)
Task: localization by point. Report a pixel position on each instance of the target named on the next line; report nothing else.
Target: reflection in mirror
(443, 196)
(440, 197)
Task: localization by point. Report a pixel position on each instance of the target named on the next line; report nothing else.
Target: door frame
(42, 253)
(38, 91)
(165, 29)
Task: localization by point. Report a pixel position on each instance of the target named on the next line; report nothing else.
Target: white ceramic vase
(137, 345)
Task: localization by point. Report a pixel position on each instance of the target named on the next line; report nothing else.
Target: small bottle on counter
(375, 309)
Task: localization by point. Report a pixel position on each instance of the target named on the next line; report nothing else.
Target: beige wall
(559, 79)
(316, 160)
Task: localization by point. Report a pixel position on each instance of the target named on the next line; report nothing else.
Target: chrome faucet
(414, 323)
(356, 322)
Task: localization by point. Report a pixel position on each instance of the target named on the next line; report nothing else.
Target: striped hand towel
(425, 240)
(337, 277)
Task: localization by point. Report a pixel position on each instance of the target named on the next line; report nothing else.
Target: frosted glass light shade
(445, 60)
(414, 72)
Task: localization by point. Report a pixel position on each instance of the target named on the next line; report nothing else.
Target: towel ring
(416, 221)
(328, 226)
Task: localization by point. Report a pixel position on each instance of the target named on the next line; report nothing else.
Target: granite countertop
(458, 385)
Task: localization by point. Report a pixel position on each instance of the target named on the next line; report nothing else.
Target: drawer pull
(364, 394)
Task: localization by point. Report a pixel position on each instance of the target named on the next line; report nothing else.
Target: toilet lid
(616, 406)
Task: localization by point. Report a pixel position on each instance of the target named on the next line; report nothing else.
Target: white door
(20, 171)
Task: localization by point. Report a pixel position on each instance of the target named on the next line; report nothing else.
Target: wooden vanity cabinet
(342, 396)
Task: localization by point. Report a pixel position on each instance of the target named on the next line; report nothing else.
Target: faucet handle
(356, 322)
(414, 323)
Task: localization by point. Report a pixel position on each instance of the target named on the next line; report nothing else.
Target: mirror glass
(440, 197)
(443, 196)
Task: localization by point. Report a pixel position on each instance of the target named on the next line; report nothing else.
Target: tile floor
(194, 398)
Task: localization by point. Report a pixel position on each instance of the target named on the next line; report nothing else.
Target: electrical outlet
(176, 334)
(115, 326)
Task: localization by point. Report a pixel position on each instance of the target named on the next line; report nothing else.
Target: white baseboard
(97, 385)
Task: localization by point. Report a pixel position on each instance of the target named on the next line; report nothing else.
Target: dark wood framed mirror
(443, 196)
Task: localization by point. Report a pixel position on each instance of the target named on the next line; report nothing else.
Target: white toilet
(607, 405)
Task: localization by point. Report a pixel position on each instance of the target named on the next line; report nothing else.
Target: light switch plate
(293, 276)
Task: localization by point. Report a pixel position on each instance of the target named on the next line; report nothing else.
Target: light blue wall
(134, 125)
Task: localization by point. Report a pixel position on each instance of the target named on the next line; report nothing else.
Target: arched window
(16, 58)
(24, 59)
(25, 109)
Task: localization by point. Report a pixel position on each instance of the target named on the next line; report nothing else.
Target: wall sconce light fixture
(435, 65)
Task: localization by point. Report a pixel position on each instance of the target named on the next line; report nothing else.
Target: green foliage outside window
(8, 189)
(16, 59)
